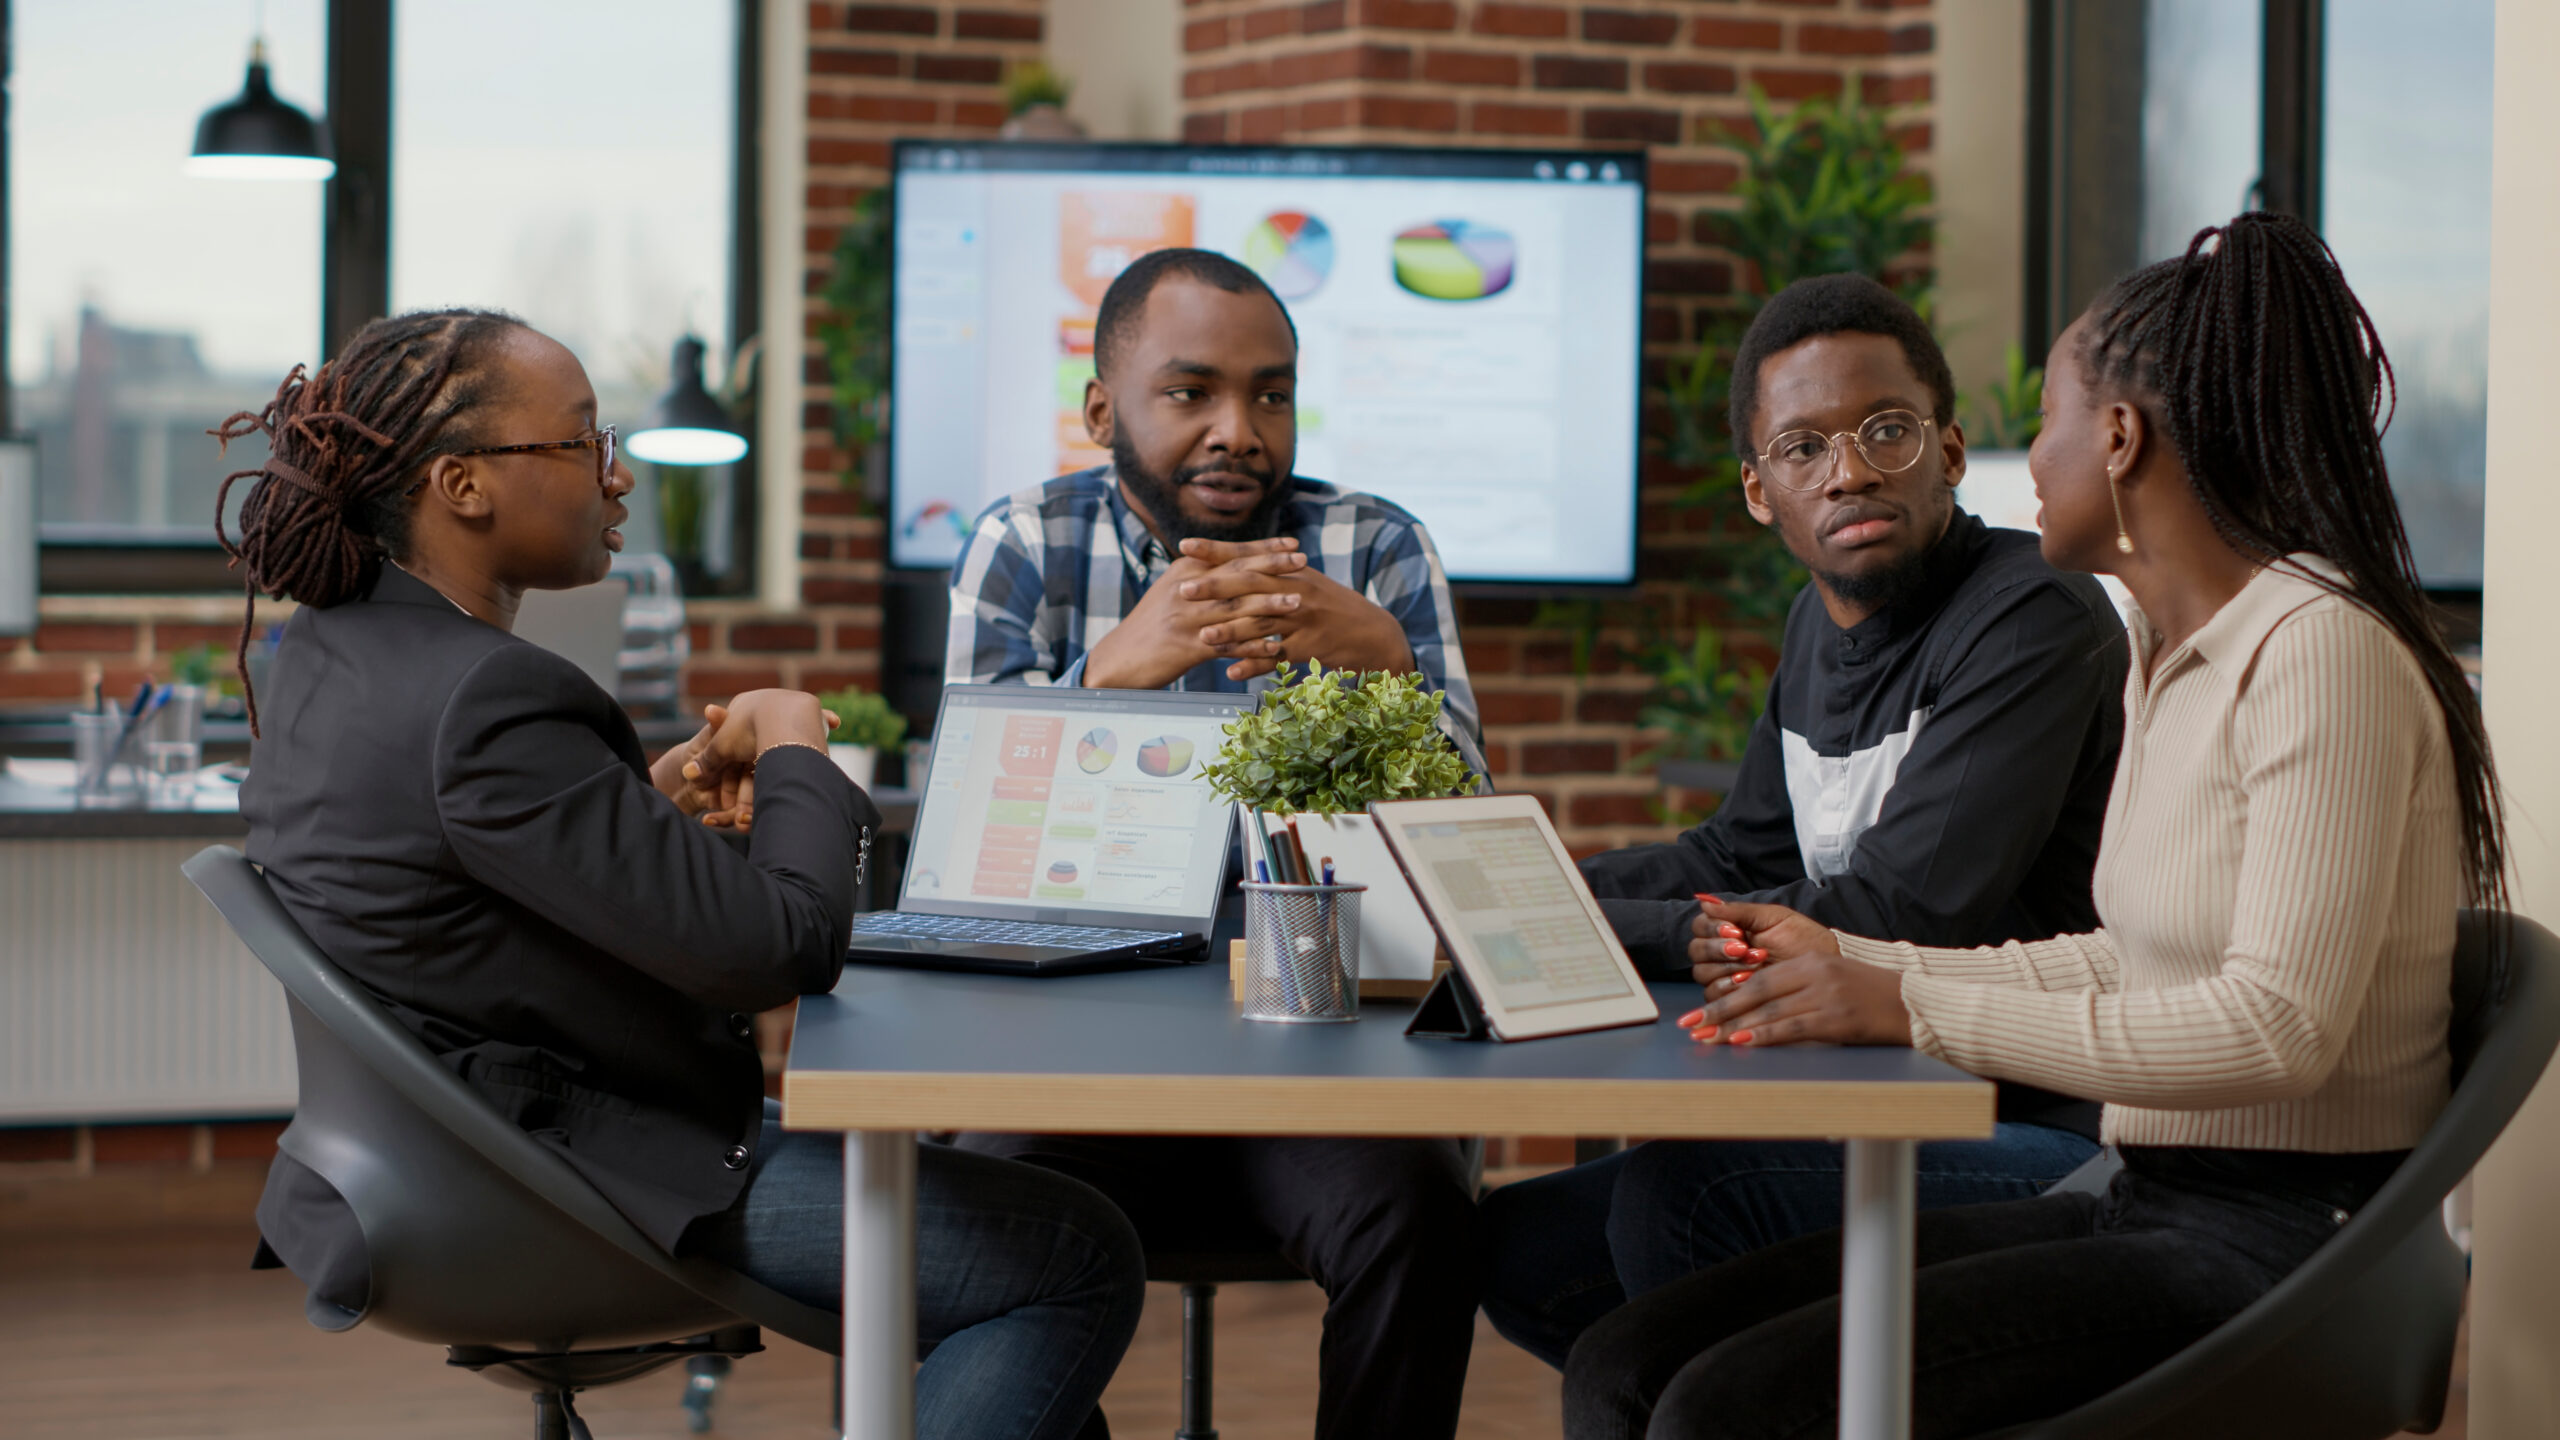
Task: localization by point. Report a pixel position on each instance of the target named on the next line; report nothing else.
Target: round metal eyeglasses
(1889, 441)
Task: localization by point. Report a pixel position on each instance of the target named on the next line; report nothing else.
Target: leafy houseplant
(866, 724)
(1318, 749)
(2012, 410)
(854, 333)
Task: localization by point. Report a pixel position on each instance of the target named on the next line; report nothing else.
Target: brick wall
(1632, 73)
(117, 641)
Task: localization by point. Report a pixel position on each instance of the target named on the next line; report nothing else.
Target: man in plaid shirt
(1198, 560)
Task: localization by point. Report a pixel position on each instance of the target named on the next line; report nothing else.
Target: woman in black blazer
(466, 823)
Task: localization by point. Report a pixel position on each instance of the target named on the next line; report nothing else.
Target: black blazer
(464, 822)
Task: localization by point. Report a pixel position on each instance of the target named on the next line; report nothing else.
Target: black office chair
(479, 1239)
(1218, 1255)
(2357, 1344)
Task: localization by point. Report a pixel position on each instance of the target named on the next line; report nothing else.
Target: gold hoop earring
(2124, 542)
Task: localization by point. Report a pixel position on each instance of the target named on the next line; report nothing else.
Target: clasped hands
(713, 775)
(1253, 602)
(1774, 977)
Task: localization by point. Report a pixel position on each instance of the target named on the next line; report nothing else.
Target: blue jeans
(1028, 1284)
(1565, 1249)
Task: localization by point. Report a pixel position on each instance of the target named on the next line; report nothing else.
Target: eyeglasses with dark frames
(604, 439)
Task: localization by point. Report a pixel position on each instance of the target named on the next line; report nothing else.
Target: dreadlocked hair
(2271, 382)
(328, 504)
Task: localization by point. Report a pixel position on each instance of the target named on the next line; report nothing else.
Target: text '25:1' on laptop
(1061, 830)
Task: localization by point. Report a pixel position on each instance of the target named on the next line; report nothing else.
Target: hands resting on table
(713, 775)
(1774, 977)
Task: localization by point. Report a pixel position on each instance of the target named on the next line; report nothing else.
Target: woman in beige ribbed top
(2303, 800)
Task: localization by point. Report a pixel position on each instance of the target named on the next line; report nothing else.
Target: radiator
(123, 996)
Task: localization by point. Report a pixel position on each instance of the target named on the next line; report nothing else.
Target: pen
(1261, 873)
(1328, 869)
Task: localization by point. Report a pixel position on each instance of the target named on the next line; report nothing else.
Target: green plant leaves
(863, 718)
(1329, 742)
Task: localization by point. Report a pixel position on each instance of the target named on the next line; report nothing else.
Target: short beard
(1880, 590)
(1161, 497)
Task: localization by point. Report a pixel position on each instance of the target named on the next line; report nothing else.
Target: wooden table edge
(1070, 1104)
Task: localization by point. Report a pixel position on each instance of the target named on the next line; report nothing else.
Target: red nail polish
(1694, 1016)
(1705, 1032)
(1735, 949)
(1741, 1037)
(1710, 899)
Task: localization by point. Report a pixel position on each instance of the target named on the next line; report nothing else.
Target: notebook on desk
(1061, 830)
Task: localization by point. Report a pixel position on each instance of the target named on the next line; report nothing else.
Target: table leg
(1876, 1256)
(880, 1285)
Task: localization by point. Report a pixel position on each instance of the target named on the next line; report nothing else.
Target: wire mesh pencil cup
(1302, 953)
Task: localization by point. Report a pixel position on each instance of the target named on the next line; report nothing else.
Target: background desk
(1164, 1052)
(123, 997)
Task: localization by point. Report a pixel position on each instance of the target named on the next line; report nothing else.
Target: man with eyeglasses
(1932, 765)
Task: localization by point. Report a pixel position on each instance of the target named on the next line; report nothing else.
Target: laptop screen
(1071, 805)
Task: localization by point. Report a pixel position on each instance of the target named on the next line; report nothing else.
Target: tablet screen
(1500, 882)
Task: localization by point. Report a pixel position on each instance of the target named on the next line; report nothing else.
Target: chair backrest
(2361, 1334)
(476, 1234)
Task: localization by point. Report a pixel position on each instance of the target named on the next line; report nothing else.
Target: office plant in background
(865, 725)
(854, 333)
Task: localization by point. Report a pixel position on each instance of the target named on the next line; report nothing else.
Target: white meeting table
(1163, 1052)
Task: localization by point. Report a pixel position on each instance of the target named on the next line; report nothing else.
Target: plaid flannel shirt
(1049, 570)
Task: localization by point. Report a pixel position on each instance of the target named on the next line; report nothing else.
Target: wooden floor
(127, 1310)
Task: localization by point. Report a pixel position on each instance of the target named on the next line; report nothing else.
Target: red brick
(1535, 22)
(818, 682)
(978, 114)
(1662, 325)
(1543, 1150)
(1896, 89)
(1333, 114)
(168, 635)
(824, 60)
(1797, 84)
(722, 682)
(1645, 127)
(1493, 117)
(1202, 35)
(1569, 757)
(1274, 21)
(1629, 27)
(246, 1139)
(1488, 657)
(1207, 80)
(1362, 62)
(891, 19)
(1628, 809)
(1690, 78)
(962, 69)
(1608, 707)
(1546, 657)
(830, 502)
(995, 25)
(1692, 177)
(773, 637)
(871, 153)
(1320, 17)
(1497, 757)
(1815, 38)
(700, 635)
(1470, 67)
(1506, 610)
(1576, 72)
(860, 547)
(816, 547)
(1263, 124)
(1200, 129)
(1914, 137)
(1917, 39)
(855, 639)
(1409, 14)
(831, 592)
(87, 638)
(1661, 227)
(835, 197)
(891, 109)
(142, 1144)
(1715, 32)
(1519, 707)
(49, 1143)
(1399, 112)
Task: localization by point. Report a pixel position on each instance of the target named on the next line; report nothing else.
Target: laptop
(1061, 830)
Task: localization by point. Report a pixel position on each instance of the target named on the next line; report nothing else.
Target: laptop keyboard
(1000, 932)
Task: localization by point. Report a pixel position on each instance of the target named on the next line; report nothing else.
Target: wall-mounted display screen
(1468, 326)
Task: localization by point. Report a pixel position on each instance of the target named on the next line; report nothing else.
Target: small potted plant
(865, 726)
(1315, 752)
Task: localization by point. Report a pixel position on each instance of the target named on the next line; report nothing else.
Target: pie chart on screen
(1454, 260)
(1096, 751)
(1164, 756)
(1292, 251)
(1062, 872)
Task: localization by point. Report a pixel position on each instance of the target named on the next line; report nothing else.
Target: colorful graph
(1292, 251)
(1096, 751)
(1164, 757)
(1454, 260)
(937, 511)
(1062, 872)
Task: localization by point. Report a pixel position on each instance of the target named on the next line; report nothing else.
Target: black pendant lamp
(685, 426)
(259, 137)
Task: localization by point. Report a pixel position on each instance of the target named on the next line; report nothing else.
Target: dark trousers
(1562, 1250)
(2023, 1309)
(1386, 1227)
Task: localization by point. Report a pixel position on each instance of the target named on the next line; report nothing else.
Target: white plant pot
(1397, 942)
(856, 761)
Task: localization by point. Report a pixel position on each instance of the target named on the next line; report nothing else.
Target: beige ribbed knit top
(2277, 884)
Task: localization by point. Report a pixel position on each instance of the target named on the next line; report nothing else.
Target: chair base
(555, 1376)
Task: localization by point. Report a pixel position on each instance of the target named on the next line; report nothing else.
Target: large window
(570, 161)
(2201, 63)
(144, 305)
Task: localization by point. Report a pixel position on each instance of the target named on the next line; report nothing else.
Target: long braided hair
(2271, 382)
(328, 504)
